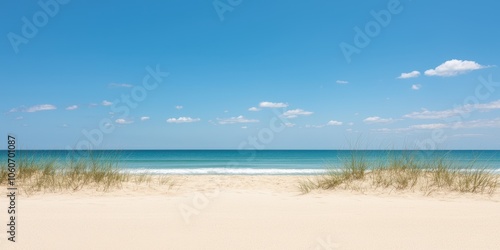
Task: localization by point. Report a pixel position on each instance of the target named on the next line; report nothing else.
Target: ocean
(255, 162)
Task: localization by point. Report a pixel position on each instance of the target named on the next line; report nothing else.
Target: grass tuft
(99, 172)
(405, 172)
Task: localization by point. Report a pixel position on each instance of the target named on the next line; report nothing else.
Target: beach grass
(98, 172)
(398, 171)
(404, 171)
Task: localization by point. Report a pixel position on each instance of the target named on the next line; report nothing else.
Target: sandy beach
(252, 212)
(249, 125)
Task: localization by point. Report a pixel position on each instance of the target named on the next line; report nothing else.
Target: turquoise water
(265, 162)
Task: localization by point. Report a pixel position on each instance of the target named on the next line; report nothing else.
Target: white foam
(226, 171)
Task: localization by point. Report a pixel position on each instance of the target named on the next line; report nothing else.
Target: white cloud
(289, 124)
(120, 85)
(483, 123)
(239, 119)
(295, 113)
(244, 127)
(330, 123)
(273, 105)
(409, 75)
(106, 103)
(123, 121)
(376, 119)
(454, 67)
(416, 86)
(72, 107)
(19, 118)
(334, 123)
(42, 107)
(426, 114)
(392, 130)
(457, 111)
(486, 106)
(183, 120)
(314, 126)
(342, 82)
(179, 107)
(144, 118)
(429, 126)
(254, 109)
(108, 125)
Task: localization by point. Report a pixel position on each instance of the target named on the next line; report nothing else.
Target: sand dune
(252, 212)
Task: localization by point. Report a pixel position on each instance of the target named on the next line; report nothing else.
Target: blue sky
(250, 74)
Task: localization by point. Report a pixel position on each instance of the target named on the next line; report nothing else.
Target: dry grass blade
(96, 171)
(403, 170)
